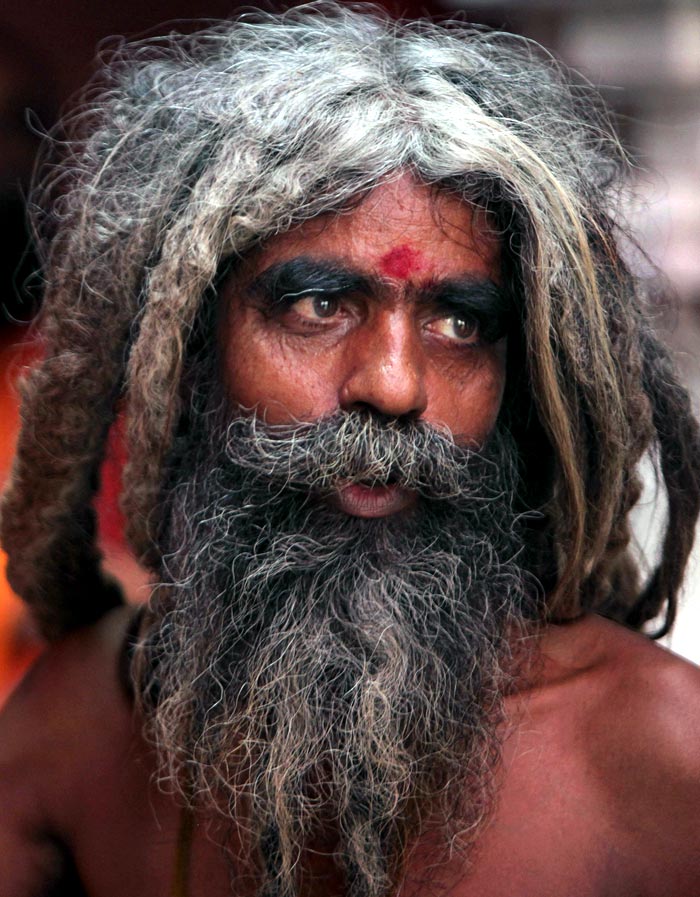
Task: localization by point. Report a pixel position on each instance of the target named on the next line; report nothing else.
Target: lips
(362, 500)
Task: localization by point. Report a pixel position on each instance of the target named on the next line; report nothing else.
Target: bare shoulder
(640, 731)
(72, 679)
(72, 684)
(652, 698)
(51, 728)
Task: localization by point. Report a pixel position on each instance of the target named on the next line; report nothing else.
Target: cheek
(469, 401)
(262, 372)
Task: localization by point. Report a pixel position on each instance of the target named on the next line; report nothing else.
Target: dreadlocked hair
(195, 148)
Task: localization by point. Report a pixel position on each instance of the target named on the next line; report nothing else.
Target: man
(387, 381)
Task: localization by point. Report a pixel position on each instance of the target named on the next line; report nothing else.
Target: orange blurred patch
(18, 642)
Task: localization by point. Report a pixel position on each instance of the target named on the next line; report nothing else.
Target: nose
(385, 368)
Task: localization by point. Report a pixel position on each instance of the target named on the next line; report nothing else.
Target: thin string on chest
(183, 854)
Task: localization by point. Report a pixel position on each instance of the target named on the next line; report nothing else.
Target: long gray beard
(313, 675)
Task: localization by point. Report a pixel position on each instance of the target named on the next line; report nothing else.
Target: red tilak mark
(401, 262)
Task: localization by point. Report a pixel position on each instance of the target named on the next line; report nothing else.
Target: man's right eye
(316, 306)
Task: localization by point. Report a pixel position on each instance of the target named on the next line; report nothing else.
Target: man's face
(393, 307)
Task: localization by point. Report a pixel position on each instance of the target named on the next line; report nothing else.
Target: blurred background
(644, 55)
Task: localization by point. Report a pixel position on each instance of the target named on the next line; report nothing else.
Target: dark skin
(599, 788)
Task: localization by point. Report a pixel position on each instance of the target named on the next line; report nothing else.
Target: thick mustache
(357, 447)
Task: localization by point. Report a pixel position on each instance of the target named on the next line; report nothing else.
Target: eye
(459, 328)
(315, 306)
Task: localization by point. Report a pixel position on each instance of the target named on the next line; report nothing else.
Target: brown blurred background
(643, 54)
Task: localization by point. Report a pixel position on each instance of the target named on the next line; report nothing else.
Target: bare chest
(549, 834)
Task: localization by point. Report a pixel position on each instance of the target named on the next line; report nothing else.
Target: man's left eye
(457, 327)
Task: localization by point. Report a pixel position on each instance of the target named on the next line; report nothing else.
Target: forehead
(402, 230)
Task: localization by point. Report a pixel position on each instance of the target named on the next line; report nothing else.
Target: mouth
(365, 500)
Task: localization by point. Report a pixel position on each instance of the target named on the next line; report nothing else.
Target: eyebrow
(474, 294)
(303, 275)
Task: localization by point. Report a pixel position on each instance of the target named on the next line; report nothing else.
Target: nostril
(366, 409)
